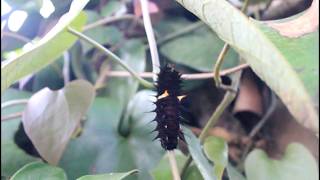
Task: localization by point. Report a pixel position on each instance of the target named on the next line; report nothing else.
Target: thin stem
(16, 36)
(108, 20)
(14, 103)
(173, 164)
(184, 76)
(223, 53)
(151, 39)
(11, 116)
(219, 63)
(113, 57)
(181, 32)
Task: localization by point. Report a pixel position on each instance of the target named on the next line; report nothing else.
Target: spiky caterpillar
(168, 107)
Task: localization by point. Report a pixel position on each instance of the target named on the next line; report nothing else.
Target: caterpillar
(168, 107)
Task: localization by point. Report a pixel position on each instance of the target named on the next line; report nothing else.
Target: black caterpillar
(168, 107)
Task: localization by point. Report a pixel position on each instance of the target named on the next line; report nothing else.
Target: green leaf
(264, 57)
(163, 169)
(39, 170)
(216, 150)
(45, 51)
(50, 117)
(12, 157)
(109, 176)
(296, 164)
(198, 156)
(100, 141)
(198, 49)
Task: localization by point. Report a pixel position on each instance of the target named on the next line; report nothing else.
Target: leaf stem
(113, 57)
(173, 164)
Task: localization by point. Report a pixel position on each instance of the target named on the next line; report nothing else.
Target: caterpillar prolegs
(168, 107)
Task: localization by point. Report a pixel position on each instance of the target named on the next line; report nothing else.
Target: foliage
(90, 124)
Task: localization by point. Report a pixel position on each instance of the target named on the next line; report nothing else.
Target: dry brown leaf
(306, 23)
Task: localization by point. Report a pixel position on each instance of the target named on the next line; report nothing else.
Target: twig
(151, 40)
(113, 57)
(13, 103)
(184, 76)
(181, 32)
(16, 36)
(11, 116)
(109, 20)
(173, 164)
(222, 54)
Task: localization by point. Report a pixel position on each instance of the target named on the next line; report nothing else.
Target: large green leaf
(109, 176)
(198, 156)
(45, 51)
(216, 150)
(102, 150)
(264, 56)
(12, 157)
(163, 169)
(198, 49)
(296, 164)
(51, 117)
(39, 170)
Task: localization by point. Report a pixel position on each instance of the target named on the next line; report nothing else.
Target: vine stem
(113, 57)
(11, 116)
(173, 164)
(14, 103)
(108, 20)
(151, 39)
(183, 76)
(223, 53)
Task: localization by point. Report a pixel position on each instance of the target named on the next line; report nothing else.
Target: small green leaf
(39, 170)
(50, 117)
(198, 156)
(45, 51)
(108, 176)
(296, 164)
(216, 150)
